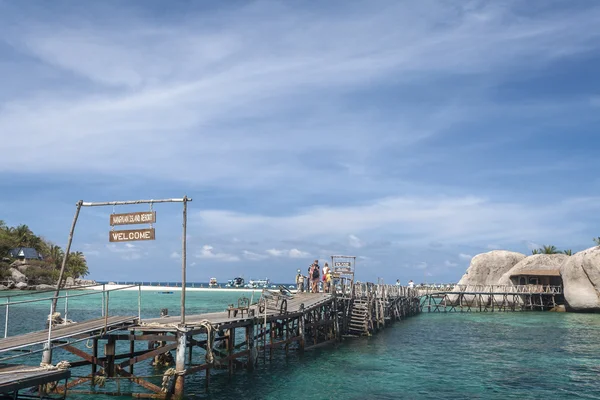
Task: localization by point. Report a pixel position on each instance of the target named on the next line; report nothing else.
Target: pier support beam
(180, 365)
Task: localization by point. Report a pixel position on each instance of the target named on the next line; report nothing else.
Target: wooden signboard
(144, 217)
(346, 264)
(131, 235)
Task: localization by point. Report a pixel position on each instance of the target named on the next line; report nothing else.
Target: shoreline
(170, 288)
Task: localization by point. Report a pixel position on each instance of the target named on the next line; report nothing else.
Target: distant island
(28, 261)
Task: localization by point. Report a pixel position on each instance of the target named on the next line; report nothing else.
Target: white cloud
(253, 256)
(355, 242)
(175, 255)
(292, 253)
(127, 251)
(533, 246)
(295, 253)
(422, 265)
(207, 253)
(464, 256)
(183, 76)
(452, 220)
(449, 263)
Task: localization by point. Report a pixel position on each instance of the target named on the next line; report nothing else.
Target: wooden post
(95, 359)
(109, 352)
(271, 333)
(64, 261)
(183, 259)
(250, 346)
(301, 321)
(180, 364)
(131, 352)
(230, 347)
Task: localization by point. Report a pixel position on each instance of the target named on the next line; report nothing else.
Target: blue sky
(410, 134)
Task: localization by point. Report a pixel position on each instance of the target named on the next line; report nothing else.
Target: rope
(210, 340)
(43, 367)
(167, 376)
(99, 380)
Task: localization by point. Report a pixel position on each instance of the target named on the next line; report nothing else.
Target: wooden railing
(492, 289)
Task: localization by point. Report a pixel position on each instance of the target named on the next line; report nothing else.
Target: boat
(235, 283)
(258, 284)
(213, 282)
(165, 292)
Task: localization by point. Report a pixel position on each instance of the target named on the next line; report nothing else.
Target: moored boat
(213, 282)
(235, 282)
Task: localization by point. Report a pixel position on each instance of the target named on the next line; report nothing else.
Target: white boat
(258, 284)
(213, 282)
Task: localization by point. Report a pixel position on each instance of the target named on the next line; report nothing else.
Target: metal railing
(66, 296)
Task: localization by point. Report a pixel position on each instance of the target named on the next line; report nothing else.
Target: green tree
(76, 265)
(568, 252)
(549, 250)
(535, 251)
(597, 240)
(55, 256)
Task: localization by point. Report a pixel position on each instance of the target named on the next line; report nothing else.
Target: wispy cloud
(207, 252)
(126, 251)
(464, 256)
(291, 253)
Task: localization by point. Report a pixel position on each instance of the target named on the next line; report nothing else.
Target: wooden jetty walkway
(239, 337)
(490, 298)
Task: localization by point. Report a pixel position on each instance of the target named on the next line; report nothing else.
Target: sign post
(144, 217)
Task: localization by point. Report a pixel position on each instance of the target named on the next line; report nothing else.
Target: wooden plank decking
(63, 332)
(17, 377)
(309, 300)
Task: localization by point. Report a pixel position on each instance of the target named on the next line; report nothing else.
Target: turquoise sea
(522, 355)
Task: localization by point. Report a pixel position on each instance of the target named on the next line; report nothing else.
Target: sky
(412, 135)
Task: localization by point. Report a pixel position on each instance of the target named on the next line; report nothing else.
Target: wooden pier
(490, 298)
(237, 338)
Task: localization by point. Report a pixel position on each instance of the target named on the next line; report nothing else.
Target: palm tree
(77, 265)
(597, 240)
(549, 250)
(535, 251)
(55, 256)
(568, 252)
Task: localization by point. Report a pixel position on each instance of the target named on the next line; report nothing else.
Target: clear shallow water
(431, 356)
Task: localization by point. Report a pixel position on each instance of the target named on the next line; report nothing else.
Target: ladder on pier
(359, 318)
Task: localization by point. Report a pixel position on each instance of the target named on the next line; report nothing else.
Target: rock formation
(488, 268)
(17, 276)
(581, 280)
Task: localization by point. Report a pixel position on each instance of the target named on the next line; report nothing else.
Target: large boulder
(485, 269)
(21, 286)
(69, 281)
(581, 280)
(488, 268)
(84, 282)
(17, 276)
(2, 287)
(45, 287)
(535, 262)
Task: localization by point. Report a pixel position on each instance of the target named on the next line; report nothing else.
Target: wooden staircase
(358, 324)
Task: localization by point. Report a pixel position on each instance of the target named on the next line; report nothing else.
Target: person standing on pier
(315, 277)
(300, 282)
(327, 280)
(398, 282)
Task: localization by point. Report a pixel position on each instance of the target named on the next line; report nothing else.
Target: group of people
(315, 275)
(411, 284)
